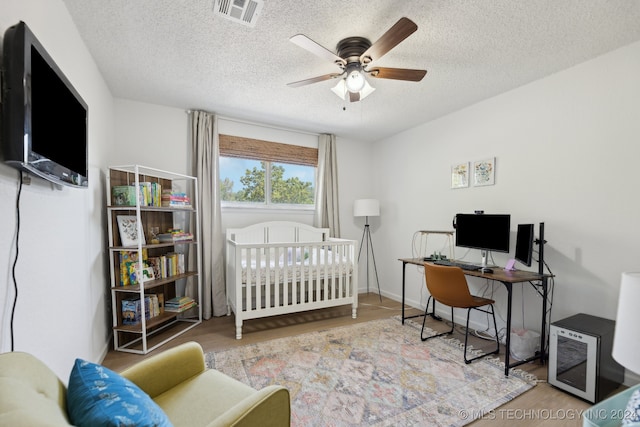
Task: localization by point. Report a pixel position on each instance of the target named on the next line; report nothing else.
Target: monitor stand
(485, 268)
(484, 258)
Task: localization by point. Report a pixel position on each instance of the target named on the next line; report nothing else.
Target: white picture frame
(484, 172)
(128, 227)
(460, 175)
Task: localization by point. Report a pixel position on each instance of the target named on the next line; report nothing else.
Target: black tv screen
(44, 119)
(489, 232)
(524, 244)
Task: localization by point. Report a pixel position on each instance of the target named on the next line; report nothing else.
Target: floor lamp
(367, 208)
(626, 347)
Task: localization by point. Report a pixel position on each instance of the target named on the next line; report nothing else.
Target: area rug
(376, 373)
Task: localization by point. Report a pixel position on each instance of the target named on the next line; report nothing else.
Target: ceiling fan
(355, 55)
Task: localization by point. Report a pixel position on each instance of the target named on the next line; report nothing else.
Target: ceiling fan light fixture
(355, 80)
(342, 90)
(353, 57)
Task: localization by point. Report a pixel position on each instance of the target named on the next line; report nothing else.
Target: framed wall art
(484, 172)
(460, 175)
(128, 227)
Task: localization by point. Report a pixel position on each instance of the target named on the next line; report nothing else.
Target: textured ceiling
(180, 54)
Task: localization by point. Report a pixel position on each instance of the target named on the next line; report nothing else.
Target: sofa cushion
(30, 393)
(97, 396)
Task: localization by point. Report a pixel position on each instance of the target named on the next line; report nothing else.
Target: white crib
(282, 267)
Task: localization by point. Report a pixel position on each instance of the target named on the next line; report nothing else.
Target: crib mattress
(295, 265)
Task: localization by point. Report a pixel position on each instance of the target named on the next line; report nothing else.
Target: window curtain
(327, 208)
(205, 164)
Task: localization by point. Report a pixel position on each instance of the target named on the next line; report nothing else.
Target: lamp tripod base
(366, 239)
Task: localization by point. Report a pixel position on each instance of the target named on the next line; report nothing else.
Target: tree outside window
(247, 182)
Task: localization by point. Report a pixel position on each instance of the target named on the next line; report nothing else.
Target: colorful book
(132, 310)
(126, 257)
(179, 304)
(123, 195)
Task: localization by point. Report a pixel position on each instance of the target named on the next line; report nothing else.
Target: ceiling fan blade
(313, 47)
(400, 31)
(314, 80)
(397, 73)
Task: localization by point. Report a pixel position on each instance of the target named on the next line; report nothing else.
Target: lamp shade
(340, 89)
(366, 207)
(355, 81)
(626, 345)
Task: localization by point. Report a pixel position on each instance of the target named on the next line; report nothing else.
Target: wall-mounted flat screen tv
(44, 119)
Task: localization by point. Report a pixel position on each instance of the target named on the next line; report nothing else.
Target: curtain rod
(231, 119)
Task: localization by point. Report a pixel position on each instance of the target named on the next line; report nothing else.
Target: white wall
(61, 311)
(150, 135)
(567, 150)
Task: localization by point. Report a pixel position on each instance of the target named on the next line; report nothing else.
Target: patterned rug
(377, 373)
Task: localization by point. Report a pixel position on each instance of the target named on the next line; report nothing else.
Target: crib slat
(339, 264)
(248, 287)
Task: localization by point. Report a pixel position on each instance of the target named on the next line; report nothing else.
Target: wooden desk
(508, 279)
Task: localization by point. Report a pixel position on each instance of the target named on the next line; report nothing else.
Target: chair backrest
(448, 285)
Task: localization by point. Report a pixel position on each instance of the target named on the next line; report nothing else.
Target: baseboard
(106, 348)
(631, 378)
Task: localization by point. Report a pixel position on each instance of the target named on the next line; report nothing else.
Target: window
(255, 173)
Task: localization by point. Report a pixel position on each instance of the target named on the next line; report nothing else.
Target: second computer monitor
(524, 244)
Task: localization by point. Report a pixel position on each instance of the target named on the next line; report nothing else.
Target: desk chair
(448, 286)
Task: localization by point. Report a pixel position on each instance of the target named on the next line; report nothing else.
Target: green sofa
(176, 379)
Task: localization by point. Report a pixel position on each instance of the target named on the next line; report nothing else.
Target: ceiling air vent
(245, 12)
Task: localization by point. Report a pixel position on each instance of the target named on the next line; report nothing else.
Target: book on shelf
(179, 304)
(167, 265)
(132, 310)
(154, 305)
(123, 195)
(160, 297)
(175, 235)
(150, 194)
(154, 263)
(175, 199)
(139, 274)
(125, 258)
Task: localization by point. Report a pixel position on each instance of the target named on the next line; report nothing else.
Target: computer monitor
(524, 244)
(487, 232)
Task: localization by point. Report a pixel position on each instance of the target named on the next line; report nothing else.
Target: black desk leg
(543, 329)
(508, 334)
(404, 267)
(432, 314)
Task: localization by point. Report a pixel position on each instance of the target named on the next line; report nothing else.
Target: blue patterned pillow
(632, 413)
(97, 396)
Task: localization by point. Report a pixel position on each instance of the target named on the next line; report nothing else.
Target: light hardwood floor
(544, 405)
